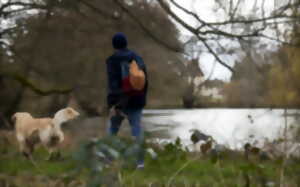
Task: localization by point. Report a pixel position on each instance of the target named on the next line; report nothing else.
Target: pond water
(230, 127)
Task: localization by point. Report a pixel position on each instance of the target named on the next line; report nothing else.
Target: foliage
(66, 47)
(104, 161)
(235, 21)
(268, 79)
(283, 83)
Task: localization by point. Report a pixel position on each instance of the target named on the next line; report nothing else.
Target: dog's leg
(26, 152)
(50, 152)
(26, 155)
(57, 154)
(23, 146)
(23, 150)
(54, 154)
(30, 145)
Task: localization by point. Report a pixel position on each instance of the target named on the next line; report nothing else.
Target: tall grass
(108, 162)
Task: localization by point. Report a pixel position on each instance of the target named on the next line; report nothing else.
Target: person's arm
(114, 90)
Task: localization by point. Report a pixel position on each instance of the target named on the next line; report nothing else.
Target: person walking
(123, 98)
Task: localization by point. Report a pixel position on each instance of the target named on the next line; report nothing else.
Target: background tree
(283, 79)
(43, 43)
(236, 24)
(266, 77)
(248, 85)
(66, 47)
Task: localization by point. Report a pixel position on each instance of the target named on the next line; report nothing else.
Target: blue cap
(119, 41)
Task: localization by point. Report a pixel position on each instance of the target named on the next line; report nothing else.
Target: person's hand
(114, 111)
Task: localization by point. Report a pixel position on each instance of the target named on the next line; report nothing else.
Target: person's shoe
(140, 166)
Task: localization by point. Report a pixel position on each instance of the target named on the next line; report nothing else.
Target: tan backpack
(136, 76)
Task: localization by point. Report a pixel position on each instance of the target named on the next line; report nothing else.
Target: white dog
(47, 131)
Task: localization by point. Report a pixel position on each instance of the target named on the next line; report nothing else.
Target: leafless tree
(85, 29)
(236, 26)
(11, 12)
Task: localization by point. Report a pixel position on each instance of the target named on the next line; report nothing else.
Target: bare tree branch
(195, 32)
(28, 84)
(97, 10)
(188, 12)
(145, 29)
(216, 55)
(23, 7)
(278, 40)
(214, 30)
(23, 80)
(7, 31)
(126, 9)
(176, 17)
(233, 13)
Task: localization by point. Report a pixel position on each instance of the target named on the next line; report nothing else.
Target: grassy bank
(171, 167)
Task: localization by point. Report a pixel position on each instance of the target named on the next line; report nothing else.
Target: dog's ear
(70, 111)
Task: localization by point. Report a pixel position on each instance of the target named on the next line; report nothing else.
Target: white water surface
(230, 127)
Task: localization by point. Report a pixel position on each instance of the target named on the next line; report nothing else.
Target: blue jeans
(134, 117)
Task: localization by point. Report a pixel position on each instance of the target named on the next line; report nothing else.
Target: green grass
(173, 167)
(13, 163)
(199, 171)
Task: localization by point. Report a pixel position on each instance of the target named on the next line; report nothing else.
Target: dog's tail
(13, 120)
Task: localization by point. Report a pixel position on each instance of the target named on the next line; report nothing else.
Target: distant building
(201, 86)
(214, 93)
(213, 89)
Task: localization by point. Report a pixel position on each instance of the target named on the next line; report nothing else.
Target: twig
(145, 29)
(282, 169)
(28, 84)
(220, 172)
(179, 170)
(35, 164)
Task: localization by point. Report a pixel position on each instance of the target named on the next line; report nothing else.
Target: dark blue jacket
(116, 97)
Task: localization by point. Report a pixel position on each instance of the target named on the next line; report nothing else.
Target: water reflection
(231, 127)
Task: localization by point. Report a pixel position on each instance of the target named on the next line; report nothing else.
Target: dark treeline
(266, 79)
(65, 50)
(56, 57)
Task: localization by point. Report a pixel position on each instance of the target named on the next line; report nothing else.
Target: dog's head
(70, 113)
(66, 114)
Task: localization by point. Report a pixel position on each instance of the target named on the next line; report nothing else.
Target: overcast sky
(206, 11)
